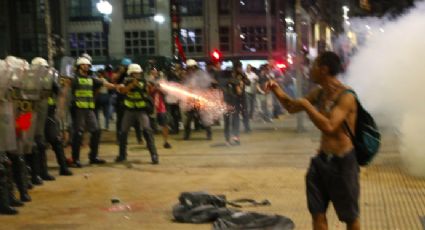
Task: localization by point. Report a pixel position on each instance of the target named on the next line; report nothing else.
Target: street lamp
(159, 18)
(105, 8)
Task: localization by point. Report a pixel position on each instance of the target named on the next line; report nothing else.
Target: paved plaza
(270, 164)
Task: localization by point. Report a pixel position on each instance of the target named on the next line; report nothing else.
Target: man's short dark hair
(332, 61)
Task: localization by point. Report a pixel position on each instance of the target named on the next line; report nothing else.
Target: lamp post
(105, 8)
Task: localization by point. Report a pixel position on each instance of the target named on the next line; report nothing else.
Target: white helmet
(86, 55)
(83, 61)
(191, 62)
(38, 61)
(134, 68)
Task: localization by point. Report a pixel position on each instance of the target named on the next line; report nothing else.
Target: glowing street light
(104, 7)
(159, 18)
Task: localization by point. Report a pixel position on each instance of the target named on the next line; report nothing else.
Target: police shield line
(33, 99)
(37, 103)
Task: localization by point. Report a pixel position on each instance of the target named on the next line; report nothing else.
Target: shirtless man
(333, 175)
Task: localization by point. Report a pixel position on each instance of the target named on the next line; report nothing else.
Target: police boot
(186, 132)
(94, 147)
(44, 169)
(19, 176)
(60, 158)
(5, 206)
(33, 162)
(123, 148)
(150, 142)
(209, 133)
(76, 144)
(9, 183)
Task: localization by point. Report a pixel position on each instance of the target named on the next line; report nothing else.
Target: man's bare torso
(339, 142)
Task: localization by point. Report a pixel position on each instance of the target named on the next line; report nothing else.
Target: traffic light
(216, 55)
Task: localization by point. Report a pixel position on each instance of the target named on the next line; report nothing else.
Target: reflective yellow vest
(83, 94)
(136, 98)
(51, 101)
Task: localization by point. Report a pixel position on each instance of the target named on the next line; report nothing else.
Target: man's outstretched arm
(337, 116)
(286, 101)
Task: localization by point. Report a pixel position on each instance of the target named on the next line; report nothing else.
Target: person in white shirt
(251, 90)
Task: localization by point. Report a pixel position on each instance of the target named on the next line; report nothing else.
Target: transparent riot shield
(46, 80)
(25, 140)
(30, 85)
(67, 67)
(18, 67)
(7, 127)
(5, 78)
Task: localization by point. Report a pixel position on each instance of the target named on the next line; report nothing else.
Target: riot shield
(67, 66)
(5, 78)
(30, 84)
(18, 67)
(47, 79)
(7, 127)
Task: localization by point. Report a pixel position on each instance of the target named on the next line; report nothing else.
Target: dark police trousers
(53, 136)
(130, 117)
(85, 119)
(191, 115)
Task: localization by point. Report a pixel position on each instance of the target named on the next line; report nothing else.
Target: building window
(192, 40)
(191, 7)
(92, 43)
(254, 38)
(83, 10)
(139, 8)
(139, 42)
(255, 6)
(224, 6)
(224, 34)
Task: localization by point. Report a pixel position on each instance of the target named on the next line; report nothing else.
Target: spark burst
(210, 102)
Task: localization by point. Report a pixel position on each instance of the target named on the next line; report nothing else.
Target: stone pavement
(270, 164)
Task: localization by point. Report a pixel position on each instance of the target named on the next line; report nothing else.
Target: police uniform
(137, 105)
(7, 143)
(52, 131)
(83, 88)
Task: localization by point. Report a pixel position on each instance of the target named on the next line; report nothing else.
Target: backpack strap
(347, 128)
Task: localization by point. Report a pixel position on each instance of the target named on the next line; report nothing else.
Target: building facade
(24, 28)
(236, 28)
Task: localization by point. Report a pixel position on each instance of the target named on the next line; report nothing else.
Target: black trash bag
(253, 221)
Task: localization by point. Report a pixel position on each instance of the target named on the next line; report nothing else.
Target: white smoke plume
(388, 73)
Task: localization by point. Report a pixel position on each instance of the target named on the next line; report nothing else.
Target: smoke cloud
(388, 73)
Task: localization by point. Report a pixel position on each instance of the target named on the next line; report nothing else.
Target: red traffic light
(281, 66)
(216, 55)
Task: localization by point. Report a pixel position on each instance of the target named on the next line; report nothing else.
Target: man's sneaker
(97, 161)
(167, 145)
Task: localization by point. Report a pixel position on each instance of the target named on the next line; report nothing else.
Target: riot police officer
(137, 106)
(83, 87)
(196, 79)
(49, 129)
(39, 159)
(7, 143)
(25, 92)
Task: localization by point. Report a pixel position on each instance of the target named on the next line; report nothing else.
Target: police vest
(51, 101)
(83, 93)
(136, 98)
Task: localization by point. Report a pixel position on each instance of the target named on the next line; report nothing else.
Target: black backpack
(367, 138)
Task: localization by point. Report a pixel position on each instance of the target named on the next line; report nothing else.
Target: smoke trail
(388, 74)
